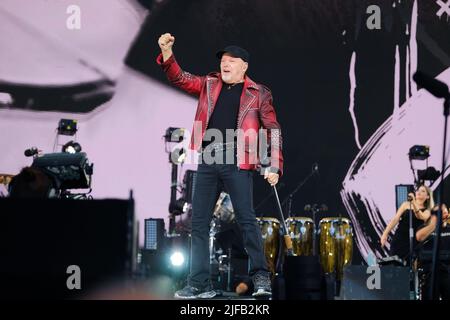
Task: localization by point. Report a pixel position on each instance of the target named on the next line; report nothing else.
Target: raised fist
(166, 41)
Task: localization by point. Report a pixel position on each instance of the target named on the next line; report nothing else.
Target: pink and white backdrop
(343, 92)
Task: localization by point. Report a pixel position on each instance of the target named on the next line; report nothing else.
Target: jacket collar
(214, 86)
(248, 82)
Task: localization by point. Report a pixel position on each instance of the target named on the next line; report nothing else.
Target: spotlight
(177, 156)
(69, 171)
(174, 134)
(419, 152)
(178, 207)
(71, 147)
(429, 174)
(177, 259)
(67, 127)
(177, 263)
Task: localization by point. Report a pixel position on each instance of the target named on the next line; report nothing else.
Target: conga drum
(301, 231)
(336, 245)
(270, 229)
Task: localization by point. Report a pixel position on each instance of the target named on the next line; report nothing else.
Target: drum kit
(223, 214)
(334, 237)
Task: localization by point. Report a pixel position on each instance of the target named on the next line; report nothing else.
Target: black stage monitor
(40, 239)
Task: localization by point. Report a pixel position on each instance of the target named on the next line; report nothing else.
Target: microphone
(315, 170)
(31, 152)
(315, 167)
(410, 197)
(437, 88)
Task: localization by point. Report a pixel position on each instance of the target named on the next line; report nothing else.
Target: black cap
(235, 51)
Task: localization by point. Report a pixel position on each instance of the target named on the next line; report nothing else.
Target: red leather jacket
(255, 112)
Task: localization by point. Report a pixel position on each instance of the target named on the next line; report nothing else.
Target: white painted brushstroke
(397, 80)
(351, 107)
(413, 48)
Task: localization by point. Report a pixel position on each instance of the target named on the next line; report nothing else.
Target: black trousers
(239, 185)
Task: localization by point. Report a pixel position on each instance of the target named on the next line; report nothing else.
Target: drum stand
(315, 169)
(219, 262)
(339, 253)
(314, 211)
(212, 240)
(412, 274)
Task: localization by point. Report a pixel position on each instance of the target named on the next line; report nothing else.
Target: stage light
(401, 193)
(177, 259)
(178, 207)
(71, 147)
(174, 134)
(429, 174)
(67, 127)
(154, 234)
(419, 152)
(69, 171)
(177, 156)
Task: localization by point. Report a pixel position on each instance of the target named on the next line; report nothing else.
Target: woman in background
(421, 204)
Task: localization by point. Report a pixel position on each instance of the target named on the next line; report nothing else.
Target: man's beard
(226, 77)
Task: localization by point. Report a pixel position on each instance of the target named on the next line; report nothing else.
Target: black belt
(218, 147)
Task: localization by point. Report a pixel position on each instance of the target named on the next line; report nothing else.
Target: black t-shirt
(226, 111)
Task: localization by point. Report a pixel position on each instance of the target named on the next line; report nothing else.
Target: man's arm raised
(166, 42)
(184, 80)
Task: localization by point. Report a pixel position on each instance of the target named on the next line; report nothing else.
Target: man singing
(229, 101)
